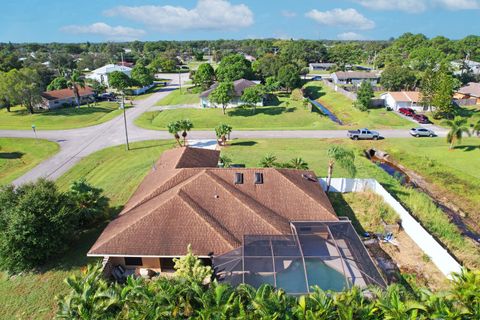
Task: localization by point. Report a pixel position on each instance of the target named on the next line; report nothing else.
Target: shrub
(89, 201)
(297, 95)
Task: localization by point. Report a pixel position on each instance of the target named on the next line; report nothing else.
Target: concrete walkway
(76, 144)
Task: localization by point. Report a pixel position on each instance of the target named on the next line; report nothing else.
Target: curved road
(76, 144)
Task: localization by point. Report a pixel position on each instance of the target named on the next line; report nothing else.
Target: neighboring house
(238, 86)
(469, 92)
(320, 66)
(403, 99)
(470, 65)
(101, 74)
(355, 77)
(125, 64)
(250, 58)
(228, 215)
(65, 97)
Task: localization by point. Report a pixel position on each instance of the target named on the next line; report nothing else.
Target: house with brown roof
(65, 97)
(238, 87)
(355, 77)
(403, 99)
(187, 200)
(469, 92)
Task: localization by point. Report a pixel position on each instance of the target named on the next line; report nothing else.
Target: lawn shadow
(84, 110)
(314, 92)
(464, 148)
(11, 155)
(272, 100)
(244, 143)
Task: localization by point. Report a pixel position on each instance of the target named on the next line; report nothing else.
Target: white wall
(439, 256)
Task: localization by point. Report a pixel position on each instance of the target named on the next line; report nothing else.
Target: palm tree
(269, 161)
(185, 126)
(174, 128)
(458, 127)
(222, 131)
(298, 163)
(344, 157)
(476, 128)
(74, 81)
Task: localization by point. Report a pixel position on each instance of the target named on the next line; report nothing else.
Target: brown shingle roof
(238, 87)
(471, 89)
(66, 93)
(175, 206)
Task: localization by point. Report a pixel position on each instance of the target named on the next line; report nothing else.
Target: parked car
(317, 78)
(421, 132)
(407, 111)
(420, 118)
(106, 97)
(364, 134)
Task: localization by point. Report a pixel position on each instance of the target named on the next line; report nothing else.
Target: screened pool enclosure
(325, 254)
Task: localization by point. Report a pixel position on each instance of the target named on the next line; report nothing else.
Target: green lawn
(351, 117)
(17, 156)
(282, 114)
(179, 97)
(472, 113)
(63, 118)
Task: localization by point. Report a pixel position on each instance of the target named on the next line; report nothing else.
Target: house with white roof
(101, 74)
(403, 99)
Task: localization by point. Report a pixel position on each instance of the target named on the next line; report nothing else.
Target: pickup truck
(363, 134)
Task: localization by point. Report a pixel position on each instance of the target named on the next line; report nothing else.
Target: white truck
(363, 134)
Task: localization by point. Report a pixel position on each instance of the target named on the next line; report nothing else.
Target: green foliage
(298, 163)
(222, 94)
(288, 77)
(90, 203)
(75, 80)
(269, 161)
(119, 80)
(458, 127)
(225, 160)
(183, 296)
(297, 95)
(222, 131)
(173, 128)
(22, 87)
(204, 76)
(234, 67)
(142, 75)
(165, 63)
(57, 84)
(185, 125)
(345, 54)
(253, 95)
(397, 78)
(364, 95)
(271, 84)
(191, 269)
(437, 88)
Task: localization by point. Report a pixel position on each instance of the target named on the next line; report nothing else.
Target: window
(258, 178)
(167, 264)
(133, 261)
(238, 178)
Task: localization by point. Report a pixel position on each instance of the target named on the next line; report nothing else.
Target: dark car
(317, 78)
(106, 97)
(407, 111)
(420, 118)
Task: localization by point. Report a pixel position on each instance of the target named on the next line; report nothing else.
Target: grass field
(342, 107)
(283, 114)
(63, 118)
(472, 113)
(17, 156)
(179, 97)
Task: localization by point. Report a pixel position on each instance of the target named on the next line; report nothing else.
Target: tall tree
(222, 94)
(204, 76)
(288, 77)
(234, 67)
(222, 131)
(364, 96)
(345, 54)
(57, 84)
(458, 127)
(397, 78)
(142, 75)
(24, 87)
(185, 126)
(75, 80)
(253, 95)
(345, 158)
(173, 128)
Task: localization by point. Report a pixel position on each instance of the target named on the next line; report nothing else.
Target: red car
(420, 118)
(407, 111)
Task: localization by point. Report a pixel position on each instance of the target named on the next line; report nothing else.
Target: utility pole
(179, 78)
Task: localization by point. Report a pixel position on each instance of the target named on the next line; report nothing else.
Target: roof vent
(238, 178)
(258, 178)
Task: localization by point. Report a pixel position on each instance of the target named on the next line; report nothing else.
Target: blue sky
(118, 20)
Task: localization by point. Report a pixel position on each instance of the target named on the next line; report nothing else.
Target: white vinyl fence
(439, 256)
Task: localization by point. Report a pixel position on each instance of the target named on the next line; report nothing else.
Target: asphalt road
(76, 144)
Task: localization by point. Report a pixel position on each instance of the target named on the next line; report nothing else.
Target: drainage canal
(380, 159)
(325, 111)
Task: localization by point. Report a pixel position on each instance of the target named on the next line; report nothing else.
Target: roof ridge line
(208, 218)
(235, 192)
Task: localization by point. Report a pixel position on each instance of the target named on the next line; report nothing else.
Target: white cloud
(347, 18)
(350, 36)
(417, 6)
(288, 14)
(207, 15)
(105, 30)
